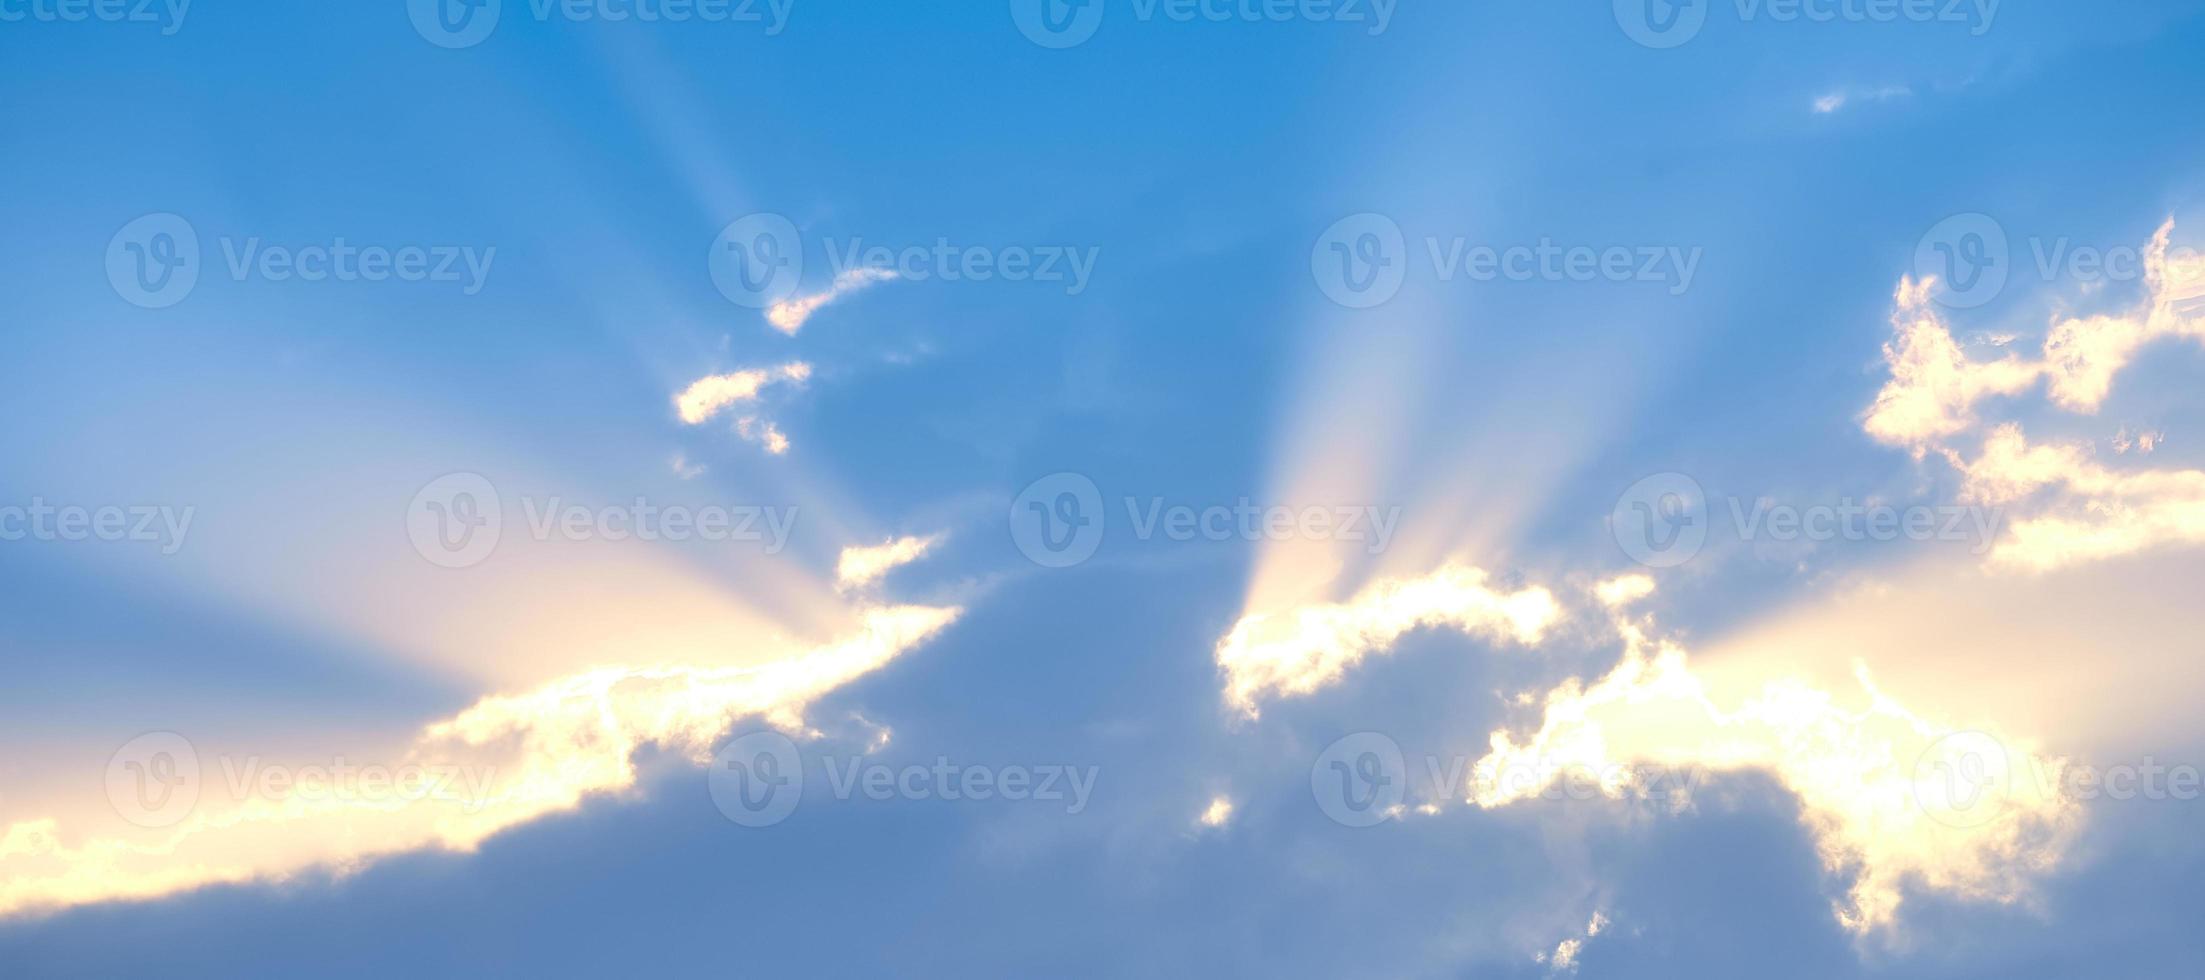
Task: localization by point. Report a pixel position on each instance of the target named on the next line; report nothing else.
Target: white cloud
(1856, 762)
(859, 567)
(535, 753)
(1301, 650)
(707, 396)
(763, 432)
(788, 316)
(1840, 98)
(1218, 813)
(1858, 766)
(2063, 506)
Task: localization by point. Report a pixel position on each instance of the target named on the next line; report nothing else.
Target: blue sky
(546, 506)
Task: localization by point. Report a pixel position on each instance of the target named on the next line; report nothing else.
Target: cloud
(518, 757)
(1840, 98)
(862, 566)
(685, 469)
(1863, 767)
(707, 396)
(788, 316)
(1865, 773)
(1218, 813)
(2063, 506)
(1301, 650)
(763, 432)
(1564, 959)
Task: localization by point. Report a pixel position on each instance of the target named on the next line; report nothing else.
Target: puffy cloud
(1301, 650)
(2064, 506)
(707, 396)
(1934, 385)
(788, 316)
(514, 757)
(862, 566)
(1891, 797)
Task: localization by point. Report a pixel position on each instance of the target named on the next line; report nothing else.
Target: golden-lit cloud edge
(2064, 506)
(515, 758)
(1873, 778)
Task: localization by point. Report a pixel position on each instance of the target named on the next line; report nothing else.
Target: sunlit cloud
(2064, 505)
(1218, 813)
(518, 756)
(860, 566)
(1297, 651)
(788, 316)
(1883, 790)
(708, 396)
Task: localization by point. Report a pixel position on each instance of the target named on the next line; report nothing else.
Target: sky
(1334, 488)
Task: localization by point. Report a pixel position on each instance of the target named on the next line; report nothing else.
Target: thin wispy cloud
(789, 316)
